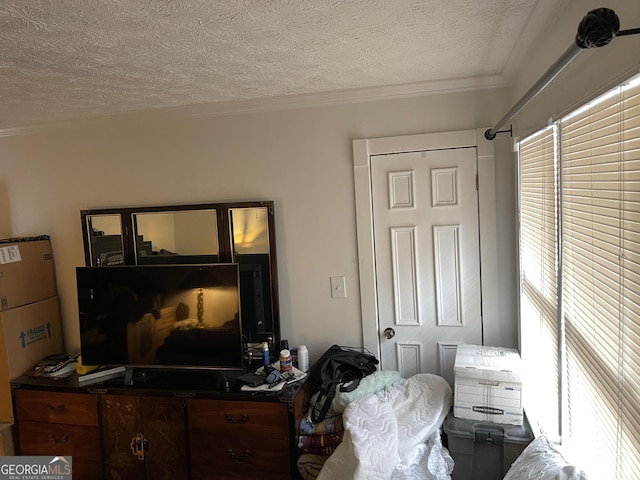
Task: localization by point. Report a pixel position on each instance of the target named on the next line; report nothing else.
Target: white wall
(302, 159)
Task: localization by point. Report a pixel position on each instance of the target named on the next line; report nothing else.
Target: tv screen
(160, 315)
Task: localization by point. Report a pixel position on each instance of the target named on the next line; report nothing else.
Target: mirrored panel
(105, 239)
(250, 227)
(249, 231)
(188, 236)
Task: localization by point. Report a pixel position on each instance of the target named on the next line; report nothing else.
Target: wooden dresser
(153, 431)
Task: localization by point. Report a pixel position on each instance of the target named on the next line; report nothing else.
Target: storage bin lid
(461, 427)
(484, 362)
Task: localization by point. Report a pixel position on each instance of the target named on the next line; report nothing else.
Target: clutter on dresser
(56, 366)
(273, 376)
(252, 379)
(273, 379)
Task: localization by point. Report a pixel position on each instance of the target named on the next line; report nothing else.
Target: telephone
(58, 365)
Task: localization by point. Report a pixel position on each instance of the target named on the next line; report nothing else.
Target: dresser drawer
(252, 456)
(57, 407)
(79, 442)
(261, 419)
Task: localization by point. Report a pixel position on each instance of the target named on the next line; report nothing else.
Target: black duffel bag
(336, 367)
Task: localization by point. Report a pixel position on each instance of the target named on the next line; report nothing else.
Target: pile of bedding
(321, 438)
(390, 429)
(317, 441)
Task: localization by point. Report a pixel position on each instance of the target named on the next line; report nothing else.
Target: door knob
(389, 333)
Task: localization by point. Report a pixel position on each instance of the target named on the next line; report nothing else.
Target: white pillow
(541, 460)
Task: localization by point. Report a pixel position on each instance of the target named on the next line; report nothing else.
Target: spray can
(303, 358)
(265, 354)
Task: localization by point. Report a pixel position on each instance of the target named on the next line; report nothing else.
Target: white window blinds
(600, 234)
(538, 295)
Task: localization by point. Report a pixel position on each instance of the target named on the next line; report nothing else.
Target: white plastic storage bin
(484, 450)
(488, 384)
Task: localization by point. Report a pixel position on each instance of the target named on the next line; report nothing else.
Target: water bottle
(303, 358)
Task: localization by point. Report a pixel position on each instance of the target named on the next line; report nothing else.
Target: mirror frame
(225, 241)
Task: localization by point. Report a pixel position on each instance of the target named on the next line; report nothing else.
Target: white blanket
(394, 434)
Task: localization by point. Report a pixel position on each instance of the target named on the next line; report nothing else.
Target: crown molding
(345, 97)
(289, 102)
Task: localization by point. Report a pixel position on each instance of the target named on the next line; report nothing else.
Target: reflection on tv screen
(160, 315)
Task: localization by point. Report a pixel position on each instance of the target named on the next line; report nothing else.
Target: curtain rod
(596, 29)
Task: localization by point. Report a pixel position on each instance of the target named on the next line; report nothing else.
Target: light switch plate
(338, 287)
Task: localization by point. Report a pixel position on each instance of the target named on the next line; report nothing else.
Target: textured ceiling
(62, 59)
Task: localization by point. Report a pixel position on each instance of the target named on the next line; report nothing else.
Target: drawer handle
(58, 409)
(234, 456)
(63, 439)
(139, 445)
(231, 419)
(488, 383)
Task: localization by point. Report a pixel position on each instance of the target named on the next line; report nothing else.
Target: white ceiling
(64, 59)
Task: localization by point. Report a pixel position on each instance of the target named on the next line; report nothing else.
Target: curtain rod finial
(489, 135)
(597, 28)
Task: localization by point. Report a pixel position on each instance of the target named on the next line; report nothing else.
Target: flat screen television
(161, 316)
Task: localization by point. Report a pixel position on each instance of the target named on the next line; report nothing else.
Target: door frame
(363, 150)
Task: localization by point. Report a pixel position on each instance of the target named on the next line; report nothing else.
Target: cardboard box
(27, 335)
(6, 440)
(488, 384)
(27, 272)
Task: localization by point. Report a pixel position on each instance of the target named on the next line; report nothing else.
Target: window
(538, 263)
(595, 220)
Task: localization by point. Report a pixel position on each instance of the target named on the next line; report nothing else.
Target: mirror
(240, 232)
(105, 240)
(168, 237)
(249, 229)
